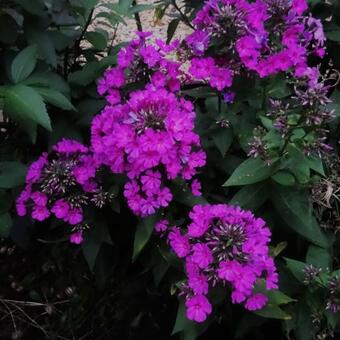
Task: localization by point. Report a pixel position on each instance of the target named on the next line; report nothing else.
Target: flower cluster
(262, 36)
(223, 245)
(305, 114)
(62, 183)
(151, 139)
(142, 61)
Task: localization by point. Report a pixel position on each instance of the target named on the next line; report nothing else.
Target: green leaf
(84, 77)
(304, 324)
(200, 92)
(319, 257)
(172, 27)
(48, 79)
(296, 268)
(97, 38)
(12, 174)
(24, 64)
(93, 240)
(5, 224)
(273, 312)
(278, 88)
(252, 196)
(284, 178)
(252, 170)
(25, 105)
(55, 98)
(42, 40)
(143, 233)
(296, 210)
(223, 139)
(181, 319)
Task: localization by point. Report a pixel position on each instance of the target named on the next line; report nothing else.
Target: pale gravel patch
(149, 23)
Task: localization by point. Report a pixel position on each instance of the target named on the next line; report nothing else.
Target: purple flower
(161, 226)
(227, 245)
(299, 6)
(68, 146)
(40, 213)
(198, 42)
(179, 244)
(256, 302)
(34, 171)
(61, 209)
(77, 237)
(74, 216)
(39, 198)
(196, 188)
(201, 255)
(150, 55)
(198, 308)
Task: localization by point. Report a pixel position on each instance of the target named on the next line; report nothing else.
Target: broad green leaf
(304, 324)
(45, 46)
(93, 240)
(252, 170)
(98, 39)
(278, 88)
(24, 104)
(223, 139)
(251, 196)
(296, 268)
(12, 174)
(296, 210)
(24, 64)
(273, 312)
(55, 98)
(84, 77)
(181, 319)
(48, 79)
(284, 178)
(5, 224)
(143, 233)
(319, 257)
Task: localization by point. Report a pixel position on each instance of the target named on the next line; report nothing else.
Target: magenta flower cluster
(143, 61)
(223, 245)
(61, 184)
(262, 36)
(150, 138)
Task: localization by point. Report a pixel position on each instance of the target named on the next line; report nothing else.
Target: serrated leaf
(25, 105)
(24, 64)
(252, 170)
(55, 98)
